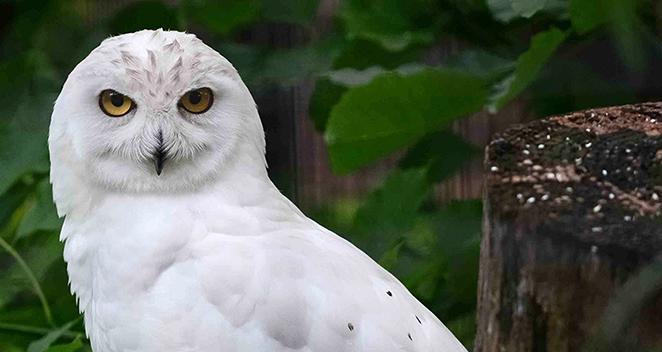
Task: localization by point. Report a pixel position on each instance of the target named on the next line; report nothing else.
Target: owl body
(206, 272)
(206, 255)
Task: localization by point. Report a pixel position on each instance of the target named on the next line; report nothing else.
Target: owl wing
(310, 290)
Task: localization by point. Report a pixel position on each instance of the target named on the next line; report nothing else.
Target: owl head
(153, 111)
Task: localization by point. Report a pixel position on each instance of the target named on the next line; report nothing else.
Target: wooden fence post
(572, 211)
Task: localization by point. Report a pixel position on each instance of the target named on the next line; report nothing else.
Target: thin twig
(28, 329)
(31, 277)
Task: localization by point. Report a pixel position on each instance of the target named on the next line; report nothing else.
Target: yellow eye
(115, 104)
(197, 101)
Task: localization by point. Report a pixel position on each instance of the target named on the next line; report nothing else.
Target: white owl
(176, 239)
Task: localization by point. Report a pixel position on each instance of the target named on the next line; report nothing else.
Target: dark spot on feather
(419, 320)
(389, 293)
(350, 326)
(409, 335)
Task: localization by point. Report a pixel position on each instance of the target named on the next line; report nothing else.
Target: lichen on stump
(572, 210)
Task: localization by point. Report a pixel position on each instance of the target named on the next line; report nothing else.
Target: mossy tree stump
(572, 211)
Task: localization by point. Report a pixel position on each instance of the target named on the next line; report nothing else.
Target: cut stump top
(594, 175)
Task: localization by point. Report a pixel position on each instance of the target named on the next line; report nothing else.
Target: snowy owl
(176, 239)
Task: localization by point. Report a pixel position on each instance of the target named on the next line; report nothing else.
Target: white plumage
(208, 255)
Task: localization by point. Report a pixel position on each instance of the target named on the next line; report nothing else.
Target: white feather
(208, 256)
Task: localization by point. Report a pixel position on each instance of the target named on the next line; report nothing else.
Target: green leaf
(10, 201)
(425, 275)
(26, 102)
(502, 10)
(458, 226)
(390, 211)
(480, 63)
(21, 152)
(148, 14)
(464, 328)
(442, 152)
(289, 11)
(45, 342)
(529, 65)
(290, 66)
(394, 24)
(508, 10)
(65, 39)
(362, 53)
(325, 95)
(586, 15)
(223, 16)
(42, 215)
(73, 346)
(390, 258)
(627, 27)
(443, 268)
(393, 111)
(623, 19)
(262, 67)
(350, 77)
(528, 8)
(332, 85)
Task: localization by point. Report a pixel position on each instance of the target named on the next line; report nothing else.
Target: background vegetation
(378, 91)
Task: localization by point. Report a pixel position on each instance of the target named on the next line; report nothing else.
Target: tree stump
(572, 212)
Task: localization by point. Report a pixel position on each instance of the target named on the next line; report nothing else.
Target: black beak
(159, 155)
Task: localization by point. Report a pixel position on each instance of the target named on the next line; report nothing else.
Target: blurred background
(375, 111)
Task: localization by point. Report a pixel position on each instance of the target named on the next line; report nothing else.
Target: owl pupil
(195, 97)
(117, 99)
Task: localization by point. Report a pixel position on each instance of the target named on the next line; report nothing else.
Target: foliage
(625, 307)
(527, 68)
(379, 91)
(393, 111)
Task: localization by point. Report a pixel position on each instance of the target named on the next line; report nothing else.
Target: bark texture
(572, 212)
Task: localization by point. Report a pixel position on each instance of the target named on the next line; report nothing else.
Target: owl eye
(115, 104)
(197, 101)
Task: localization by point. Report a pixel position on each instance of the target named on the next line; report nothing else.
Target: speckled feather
(209, 256)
